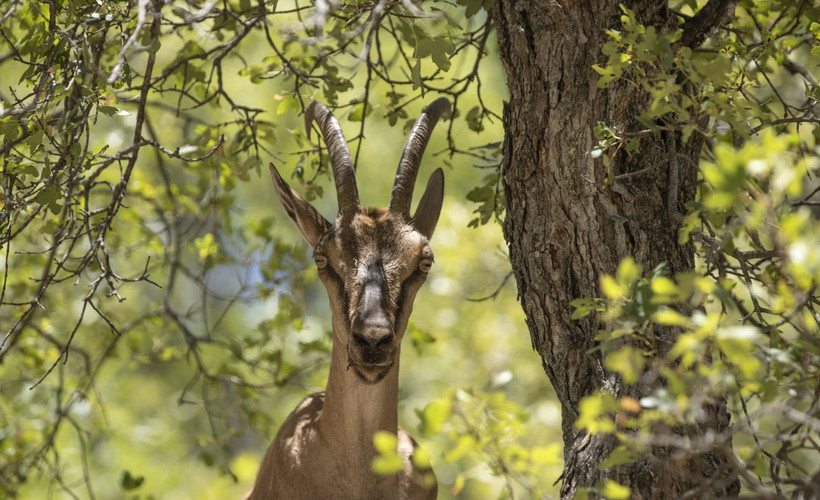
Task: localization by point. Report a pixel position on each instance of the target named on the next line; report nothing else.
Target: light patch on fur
(304, 428)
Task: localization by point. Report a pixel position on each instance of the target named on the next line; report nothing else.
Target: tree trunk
(566, 226)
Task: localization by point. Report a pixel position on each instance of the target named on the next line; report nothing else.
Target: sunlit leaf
(387, 461)
(615, 491)
(619, 456)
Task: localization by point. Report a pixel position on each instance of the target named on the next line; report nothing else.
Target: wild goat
(372, 262)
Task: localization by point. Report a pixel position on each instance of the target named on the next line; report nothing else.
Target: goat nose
(372, 332)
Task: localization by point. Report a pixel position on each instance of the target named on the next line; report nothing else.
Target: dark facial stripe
(402, 303)
(374, 287)
(350, 245)
(339, 284)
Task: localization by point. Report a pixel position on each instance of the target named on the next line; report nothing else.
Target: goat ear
(429, 208)
(307, 219)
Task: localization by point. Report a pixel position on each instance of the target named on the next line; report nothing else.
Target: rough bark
(566, 227)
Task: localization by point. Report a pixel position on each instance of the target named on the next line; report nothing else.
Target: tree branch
(714, 14)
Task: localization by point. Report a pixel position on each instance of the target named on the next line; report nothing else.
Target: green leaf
(595, 413)
(9, 128)
(715, 68)
(441, 58)
(615, 491)
(359, 112)
(474, 120)
(465, 445)
(424, 47)
(206, 247)
(586, 306)
(107, 110)
(628, 362)
(420, 458)
(612, 288)
(415, 75)
(670, 317)
(739, 343)
(628, 271)
(129, 482)
(458, 485)
(663, 285)
(318, 345)
(419, 337)
(50, 197)
(480, 194)
(35, 140)
(473, 6)
(387, 461)
(619, 456)
(227, 179)
(288, 103)
(551, 454)
(690, 222)
(434, 415)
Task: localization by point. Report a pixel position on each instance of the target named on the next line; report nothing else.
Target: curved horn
(346, 191)
(411, 156)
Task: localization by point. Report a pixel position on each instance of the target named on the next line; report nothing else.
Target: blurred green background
(182, 396)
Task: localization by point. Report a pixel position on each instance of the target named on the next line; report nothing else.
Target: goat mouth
(371, 357)
(370, 373)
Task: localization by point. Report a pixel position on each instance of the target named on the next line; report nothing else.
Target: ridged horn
(402, 193)
(347, 193)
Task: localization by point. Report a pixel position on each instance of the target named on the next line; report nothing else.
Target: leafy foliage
(154, 305)
(747, 317)
(158, 316)
(486, 430)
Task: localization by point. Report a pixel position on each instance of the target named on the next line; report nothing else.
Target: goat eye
(320, 260)
(425, 265)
